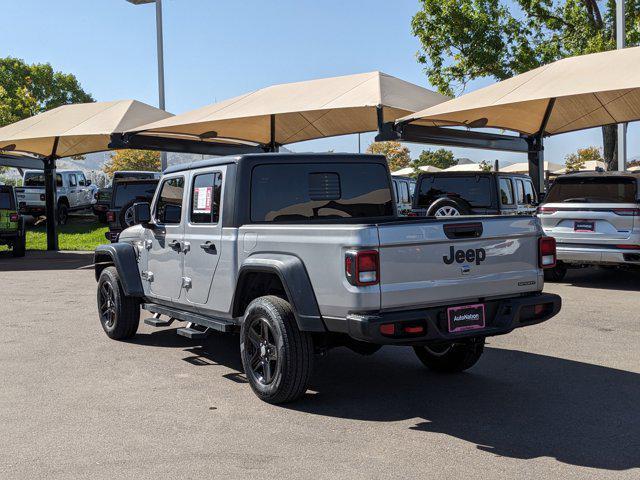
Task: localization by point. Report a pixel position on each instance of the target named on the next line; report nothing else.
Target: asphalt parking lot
(558, 400)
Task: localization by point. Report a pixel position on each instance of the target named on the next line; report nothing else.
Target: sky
(216, 49)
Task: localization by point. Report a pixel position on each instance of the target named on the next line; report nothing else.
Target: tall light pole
(620, 43)
(159, 42)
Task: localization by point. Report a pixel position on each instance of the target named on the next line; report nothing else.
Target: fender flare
(123, 257)
(296, 282)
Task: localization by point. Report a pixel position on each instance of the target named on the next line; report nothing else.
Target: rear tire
(119, 314)
(451, 358)
(555, 274)
(277, 357)
(20, 246)
(62, 215)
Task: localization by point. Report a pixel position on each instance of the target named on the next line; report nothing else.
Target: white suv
(595, 219)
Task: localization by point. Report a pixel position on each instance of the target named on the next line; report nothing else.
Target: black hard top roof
(254, 158)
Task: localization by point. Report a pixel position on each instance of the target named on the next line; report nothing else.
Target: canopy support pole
(536, 151)
(50, 197)
(273, 146)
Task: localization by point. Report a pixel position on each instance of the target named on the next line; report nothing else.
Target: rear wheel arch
(283, 276)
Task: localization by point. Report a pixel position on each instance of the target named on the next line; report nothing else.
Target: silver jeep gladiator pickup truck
(302, 253)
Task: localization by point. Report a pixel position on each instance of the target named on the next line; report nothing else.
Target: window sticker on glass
(202, 199)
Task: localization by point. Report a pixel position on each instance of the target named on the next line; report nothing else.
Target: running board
(156, 321)
(193, 333)
(219, 324)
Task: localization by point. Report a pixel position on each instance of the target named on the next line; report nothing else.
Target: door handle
(174, 244)
(209, 247)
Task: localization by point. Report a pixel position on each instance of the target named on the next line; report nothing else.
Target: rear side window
(6, 200)
(169, 205)
(506, 192)
(593, 190)
(293, 192)
(476, 189)
(73, 182)
(519, 191)
(205, 198)
(404, 192)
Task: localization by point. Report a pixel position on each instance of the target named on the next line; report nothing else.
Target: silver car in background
(595, 219)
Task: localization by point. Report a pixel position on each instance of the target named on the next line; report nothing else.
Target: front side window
(506, 192)
(308, 191)
(528, 190)
(81, 180)
(169, 205)
(205, 198)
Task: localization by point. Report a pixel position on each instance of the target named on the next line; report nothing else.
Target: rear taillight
(547, 252)
(42, 197)
(14, 217)
(627, 212)
(628, 247)
(111, 217)
(362, 267)
(546, 210)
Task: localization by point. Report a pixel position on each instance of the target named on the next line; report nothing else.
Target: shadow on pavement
(610, 278)
(41, 260)
(512, 403)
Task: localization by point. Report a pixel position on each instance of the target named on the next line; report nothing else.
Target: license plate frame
(584, 226)
(457, 323)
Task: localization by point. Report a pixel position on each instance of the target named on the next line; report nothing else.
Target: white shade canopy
(523, 167)
(410, 170)
(76, 129)
(466, 167)
(576, 93)
(590, 165)
(294, 112)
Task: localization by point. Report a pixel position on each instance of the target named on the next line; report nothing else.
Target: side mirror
(172, 214)
(88, 183)
(141, 213)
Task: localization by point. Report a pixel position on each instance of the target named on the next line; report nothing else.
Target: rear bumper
(32, 209)
(502, 316)
(592, 255)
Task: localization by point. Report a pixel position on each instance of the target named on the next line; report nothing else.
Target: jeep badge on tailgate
(478, 255)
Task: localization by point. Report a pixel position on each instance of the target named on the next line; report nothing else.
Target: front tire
(277, 357)
(119, 313)
(451, 358)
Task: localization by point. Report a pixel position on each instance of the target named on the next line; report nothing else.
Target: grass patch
(79, 234)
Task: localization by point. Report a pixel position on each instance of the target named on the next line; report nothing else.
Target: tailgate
(591, 224)
(32, 196)
(442, 261)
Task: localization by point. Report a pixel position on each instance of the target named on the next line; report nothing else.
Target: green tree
(574, 162)
(486, 166)
(441, 158)
(27, 90)
(467, 39)
(397, 155)
(132, 160)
